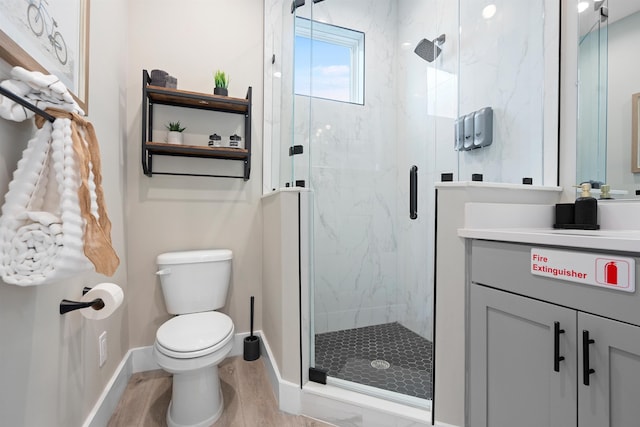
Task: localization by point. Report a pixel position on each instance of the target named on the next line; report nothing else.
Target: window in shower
(329, 62)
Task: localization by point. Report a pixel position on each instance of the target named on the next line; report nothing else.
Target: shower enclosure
(361, 98)
(356, 113)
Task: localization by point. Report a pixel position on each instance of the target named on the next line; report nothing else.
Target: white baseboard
(142, 360)
(272, 371)
(136, 360)
(287, 394)
(108, 400)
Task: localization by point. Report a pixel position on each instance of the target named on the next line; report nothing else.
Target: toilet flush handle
(163, 272)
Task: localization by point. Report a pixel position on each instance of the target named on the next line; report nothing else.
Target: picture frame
(50, 36)
(635, 134)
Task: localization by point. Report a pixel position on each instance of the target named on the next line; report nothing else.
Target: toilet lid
(193, 332)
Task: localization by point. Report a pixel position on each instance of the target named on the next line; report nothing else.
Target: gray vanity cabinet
(513, 381)
(529, 359)
(612, 398)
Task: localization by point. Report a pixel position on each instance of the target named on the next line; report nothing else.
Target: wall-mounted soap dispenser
(468, 131)
(459, 134)
(483, 127)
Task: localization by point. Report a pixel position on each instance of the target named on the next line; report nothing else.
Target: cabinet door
(612, 398)
(513, 381)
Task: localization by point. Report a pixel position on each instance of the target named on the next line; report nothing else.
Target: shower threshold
(356, 404)
(376, 392)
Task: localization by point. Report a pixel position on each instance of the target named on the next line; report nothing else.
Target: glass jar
(234, 141)
(215, 140)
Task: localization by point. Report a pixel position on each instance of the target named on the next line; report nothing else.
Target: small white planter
(174, 137)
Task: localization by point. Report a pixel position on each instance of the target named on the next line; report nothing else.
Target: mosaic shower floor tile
(387, 356)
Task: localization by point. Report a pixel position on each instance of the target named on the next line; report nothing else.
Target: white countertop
(532, 224)
(614, 240)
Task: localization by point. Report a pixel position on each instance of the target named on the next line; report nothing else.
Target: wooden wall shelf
(185, 99)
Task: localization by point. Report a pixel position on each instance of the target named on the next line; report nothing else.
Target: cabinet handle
(556, 346)
(586, 370)
(413, 192)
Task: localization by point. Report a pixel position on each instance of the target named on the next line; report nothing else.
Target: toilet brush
(252, 342)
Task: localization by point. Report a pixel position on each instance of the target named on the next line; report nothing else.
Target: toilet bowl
(190, 347)
(192, 344)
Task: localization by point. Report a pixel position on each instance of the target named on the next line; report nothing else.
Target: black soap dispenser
(586, 209)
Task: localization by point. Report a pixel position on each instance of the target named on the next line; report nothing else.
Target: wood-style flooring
(248, 399)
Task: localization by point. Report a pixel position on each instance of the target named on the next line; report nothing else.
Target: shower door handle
(413, 192)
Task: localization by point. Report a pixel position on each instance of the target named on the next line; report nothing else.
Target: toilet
(193, 343)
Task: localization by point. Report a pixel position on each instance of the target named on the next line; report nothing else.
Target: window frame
(345, 37)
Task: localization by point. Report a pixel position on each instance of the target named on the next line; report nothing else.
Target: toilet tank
(194, 281)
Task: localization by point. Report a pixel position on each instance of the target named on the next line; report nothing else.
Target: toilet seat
(194, 335)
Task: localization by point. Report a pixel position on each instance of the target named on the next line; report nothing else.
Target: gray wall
(280, 320)
(49, 363)
(167, 213)
(49, 371)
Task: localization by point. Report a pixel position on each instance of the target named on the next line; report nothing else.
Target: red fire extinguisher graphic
(611, 273)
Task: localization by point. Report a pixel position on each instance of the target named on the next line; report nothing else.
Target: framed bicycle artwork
(51, 36)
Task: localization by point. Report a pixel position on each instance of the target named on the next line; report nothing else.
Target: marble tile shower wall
(353, 173)
(502, 65)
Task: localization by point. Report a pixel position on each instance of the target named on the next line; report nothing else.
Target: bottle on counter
(605, 192)
(586, 209)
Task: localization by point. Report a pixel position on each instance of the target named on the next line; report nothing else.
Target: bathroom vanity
(544, 346)
(548, 352)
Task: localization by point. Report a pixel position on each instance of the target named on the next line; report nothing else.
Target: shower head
(429, 50)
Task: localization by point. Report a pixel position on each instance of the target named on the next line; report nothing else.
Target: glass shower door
(372, 272)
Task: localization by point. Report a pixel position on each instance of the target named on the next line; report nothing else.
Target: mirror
(635, 137)
(607, 140)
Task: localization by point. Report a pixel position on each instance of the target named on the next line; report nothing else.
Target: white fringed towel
(41, 241)
(42, 90)
(36, 245)
(54, 222)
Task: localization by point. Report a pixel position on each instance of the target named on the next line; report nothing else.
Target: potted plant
(222, 83)
(175, 133)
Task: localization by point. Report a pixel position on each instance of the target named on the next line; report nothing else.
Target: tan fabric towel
(97, 236)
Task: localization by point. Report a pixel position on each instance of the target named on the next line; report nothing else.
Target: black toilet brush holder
(252, 342)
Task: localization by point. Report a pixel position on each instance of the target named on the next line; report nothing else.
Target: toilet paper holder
(67, 305)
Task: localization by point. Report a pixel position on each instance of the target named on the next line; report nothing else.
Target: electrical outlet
(102, 344)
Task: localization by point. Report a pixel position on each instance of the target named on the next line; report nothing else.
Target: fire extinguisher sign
(613, 272)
